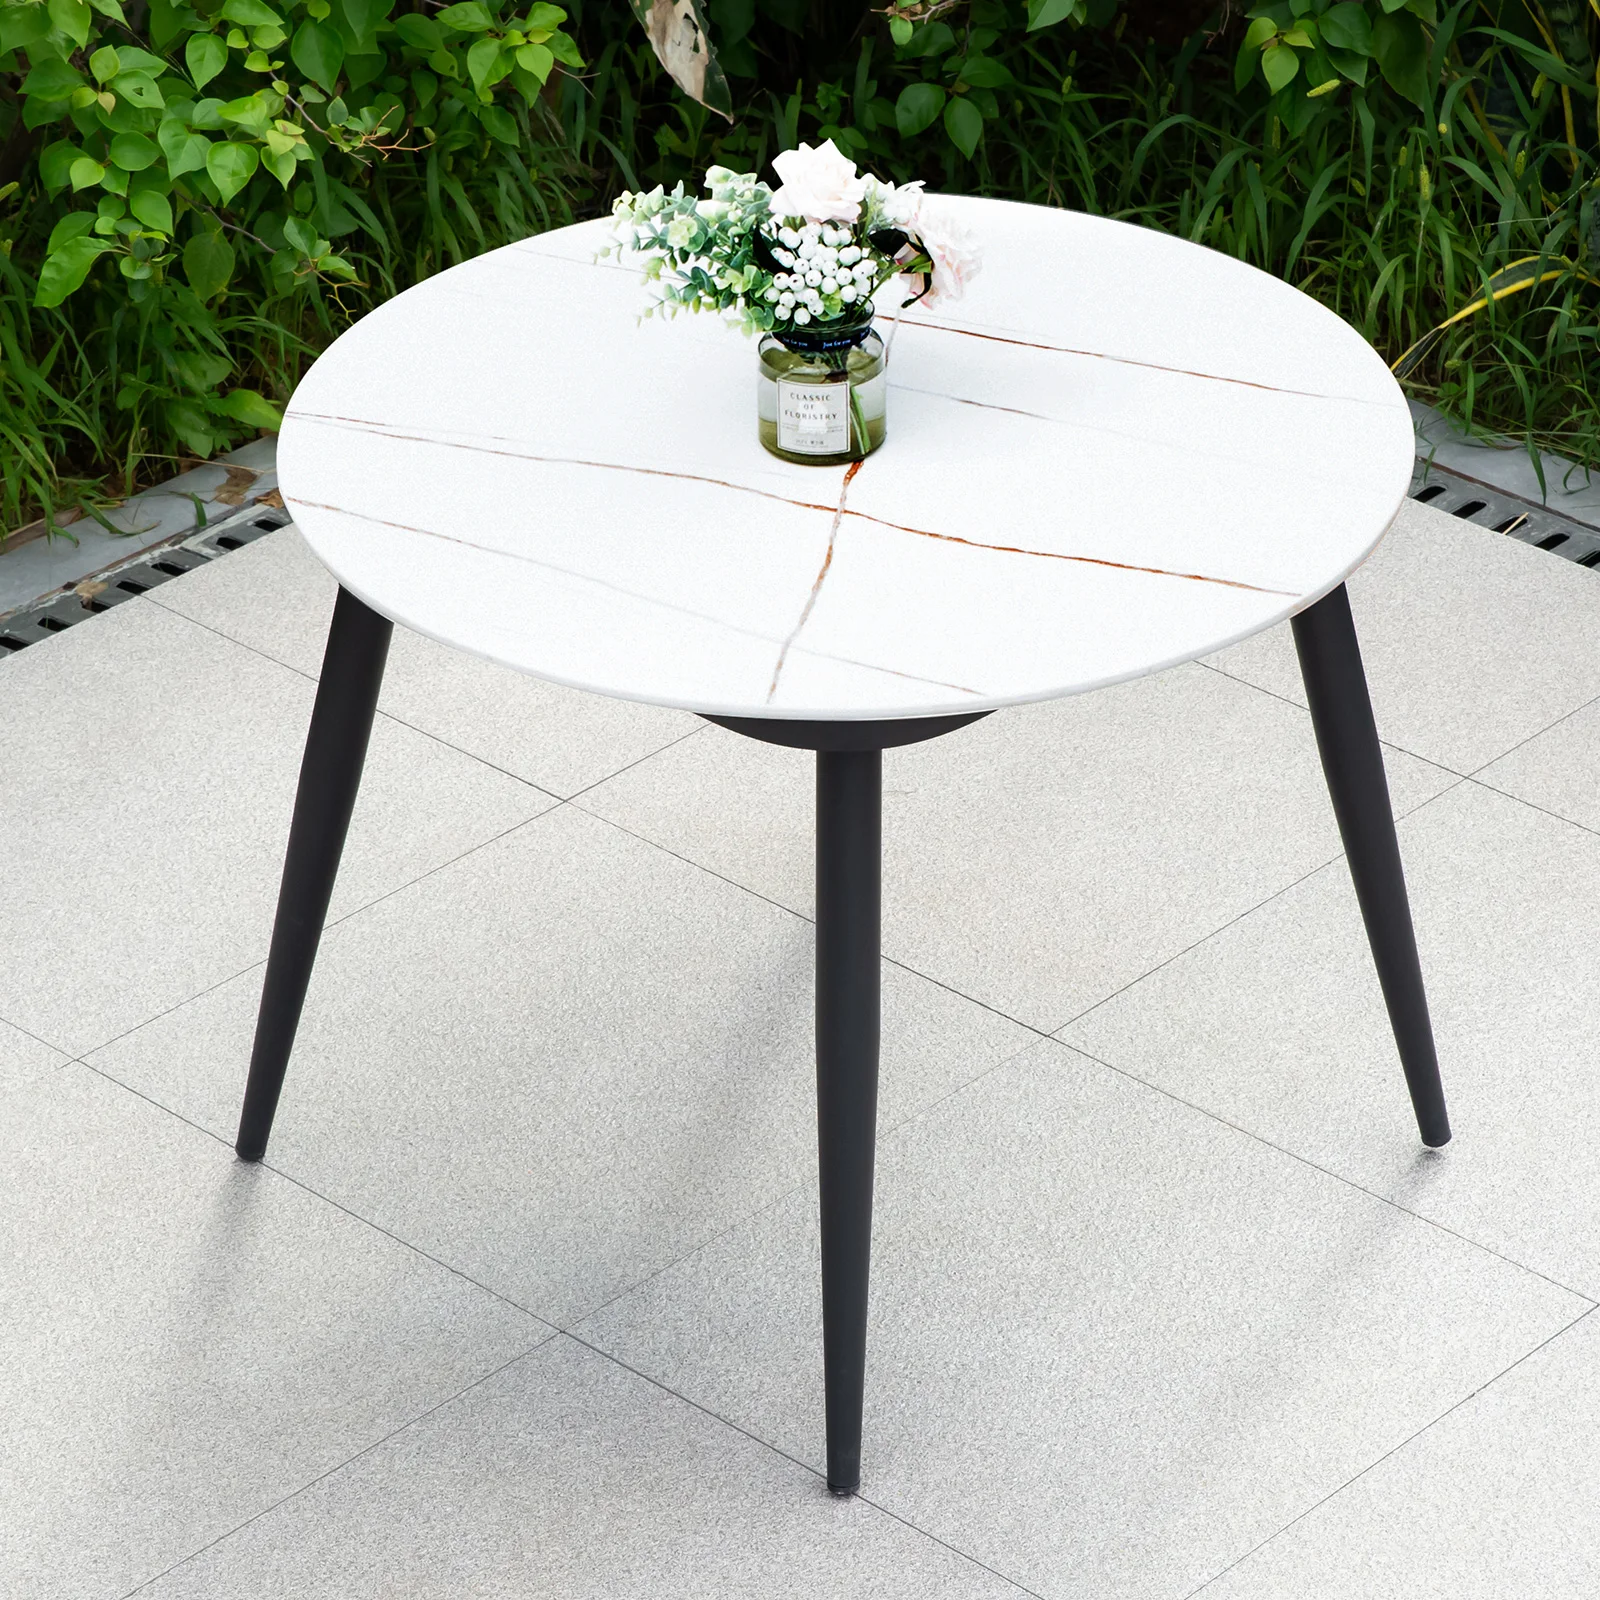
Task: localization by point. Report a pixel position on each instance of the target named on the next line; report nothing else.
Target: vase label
(813, 418)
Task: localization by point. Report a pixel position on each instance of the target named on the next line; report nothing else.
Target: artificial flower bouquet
(800, 265)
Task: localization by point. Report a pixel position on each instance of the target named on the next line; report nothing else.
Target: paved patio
(1168, 1299)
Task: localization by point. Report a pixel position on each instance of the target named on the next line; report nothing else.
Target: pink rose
(952, 249)
(818, 184)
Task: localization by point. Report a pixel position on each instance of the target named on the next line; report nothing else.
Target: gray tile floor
(1168, 1299)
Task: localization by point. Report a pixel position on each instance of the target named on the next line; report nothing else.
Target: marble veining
(1104, 474)
(840, 511)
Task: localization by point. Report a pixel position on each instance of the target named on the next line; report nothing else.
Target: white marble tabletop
(1118, 452)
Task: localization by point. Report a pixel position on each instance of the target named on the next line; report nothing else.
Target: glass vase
(822, 394)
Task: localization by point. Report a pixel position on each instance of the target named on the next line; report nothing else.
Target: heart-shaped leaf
(231, 166)
(964, 123)
(917, 108)
(65, 269)
(205, 55)
(318, 51)
(153, 209)
(133, 152)
(208, 263)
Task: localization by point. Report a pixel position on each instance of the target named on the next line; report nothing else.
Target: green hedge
(194, 198)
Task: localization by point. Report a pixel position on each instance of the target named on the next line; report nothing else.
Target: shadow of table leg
(330, 775)
(1352, 760)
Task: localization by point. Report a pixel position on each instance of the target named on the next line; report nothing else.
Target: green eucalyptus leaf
(132, 152)
(112, 9)
(542, 16)
(231, 166)
(964, 123)
(917, 108)
(565, 49)
(104, 64)
(900, 29)
(65, 269)
(301, 235)
(208, 263)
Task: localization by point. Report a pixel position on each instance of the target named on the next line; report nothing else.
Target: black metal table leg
(330, 775)
(849, 906)
(1352, 760)
(849, 849)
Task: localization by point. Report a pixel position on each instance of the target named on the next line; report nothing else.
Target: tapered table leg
(849, 837)
(330, 775)
(1347, 738)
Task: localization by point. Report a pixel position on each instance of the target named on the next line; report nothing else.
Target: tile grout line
(1283, 699)
(316, 1194)
(1532, 805)
(1394, 1450)
(340, 1466)
(1327, 1172)
(805, 1466)
(1250, 910)
(1536, 734)
(765, 1207)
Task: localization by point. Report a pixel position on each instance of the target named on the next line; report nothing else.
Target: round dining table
(1117, 452)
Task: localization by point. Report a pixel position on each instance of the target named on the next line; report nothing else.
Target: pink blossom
(953, 250)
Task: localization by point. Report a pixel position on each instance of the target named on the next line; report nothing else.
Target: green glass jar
(822, 394)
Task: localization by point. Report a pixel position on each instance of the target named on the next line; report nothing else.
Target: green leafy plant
(162, 263)
(215, 154)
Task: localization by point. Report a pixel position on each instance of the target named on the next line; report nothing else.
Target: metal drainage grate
(1506, 513)
(78, 601)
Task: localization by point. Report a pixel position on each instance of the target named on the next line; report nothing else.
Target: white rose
(953, 250)
(819, 184)
(898, 206)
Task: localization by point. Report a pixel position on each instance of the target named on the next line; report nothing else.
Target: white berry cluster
(825, 271)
